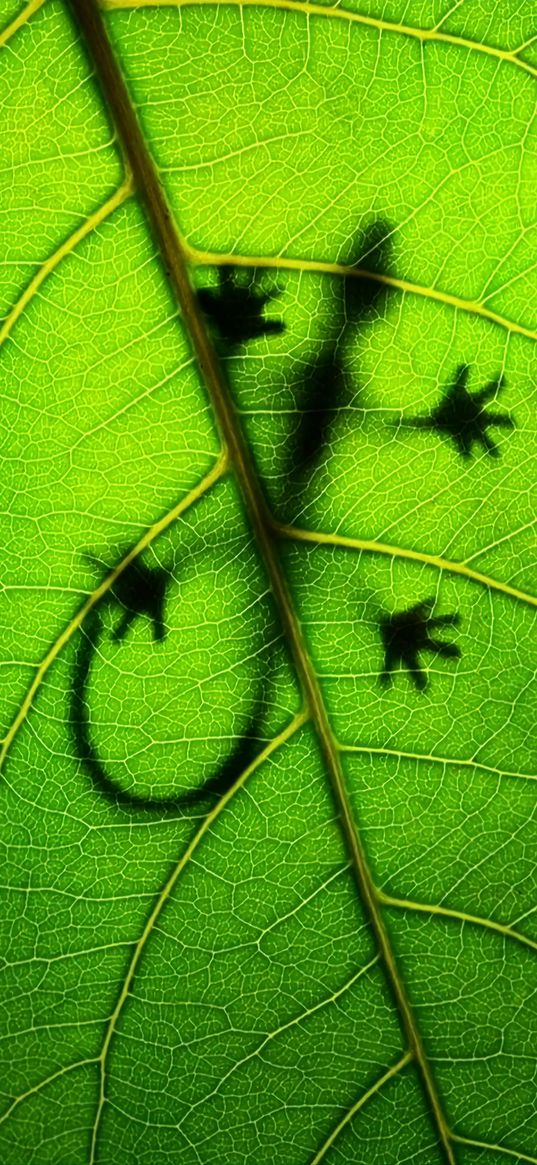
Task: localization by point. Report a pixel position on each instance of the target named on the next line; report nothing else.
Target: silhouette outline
(461, 416)
(141, 591)
(326, 385)
(236, 309)
(407, 633)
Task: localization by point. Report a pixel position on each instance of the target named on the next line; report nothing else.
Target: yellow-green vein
(163, 898)
(22, 17)
(65, 248)
(291, 1023)
(457, 915)
(335, 12)
(147, 538)
(36, 1088)
(367, 546)
(280, 262)
(460, 762)
(489, 1147)
(358, 1104)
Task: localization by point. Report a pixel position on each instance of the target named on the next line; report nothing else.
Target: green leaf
(268, 625)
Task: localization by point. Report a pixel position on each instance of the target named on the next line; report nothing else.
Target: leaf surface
(268, 613)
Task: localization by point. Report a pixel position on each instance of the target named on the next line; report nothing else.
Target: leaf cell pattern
(258, 905)
(236, 309)
(462, 417)
(408, 633)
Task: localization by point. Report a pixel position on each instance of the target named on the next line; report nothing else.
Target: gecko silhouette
(140, 590)
(407, 633)
(463, 418)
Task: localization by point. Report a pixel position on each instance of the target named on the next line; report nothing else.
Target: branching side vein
(334, 12)
(76, 622)
(367, 546)
(93, 220)
(174, 260)
(458, 916)
(281, 262)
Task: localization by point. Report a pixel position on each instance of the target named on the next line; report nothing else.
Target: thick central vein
(166, 236)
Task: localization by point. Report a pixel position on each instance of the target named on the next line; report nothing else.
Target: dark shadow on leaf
(406, 634)
(236, 308)
(141, 591)
(364, 296)
(327, 387)
(324, 393)
(463, 418)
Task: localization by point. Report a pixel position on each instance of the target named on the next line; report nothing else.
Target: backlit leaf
(268, 578)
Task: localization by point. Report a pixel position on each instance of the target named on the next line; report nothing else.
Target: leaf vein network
(430, 758)
(214, 475)
(219, 468)
(458, 915)
(369, 546)
(19, 20)
(48, 266)
(473, 307)
(358, 1104)
(161, 900)
(329, 11)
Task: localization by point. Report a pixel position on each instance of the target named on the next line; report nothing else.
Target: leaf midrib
(117, 98)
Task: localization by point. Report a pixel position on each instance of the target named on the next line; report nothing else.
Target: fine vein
(147, 538)
(284, 1027)
(430, 758)
(93, 220)
(161, 901)
(459, 915)
(424, 35)
(22, 17)
(281, 262)
(295, 534)
(174, 260)
(42, 1084)
(495, 1149)
(358, 1104)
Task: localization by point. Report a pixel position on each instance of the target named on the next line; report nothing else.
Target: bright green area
(58, 160)
(260, 1016)
(9, 10)
(293, 147)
